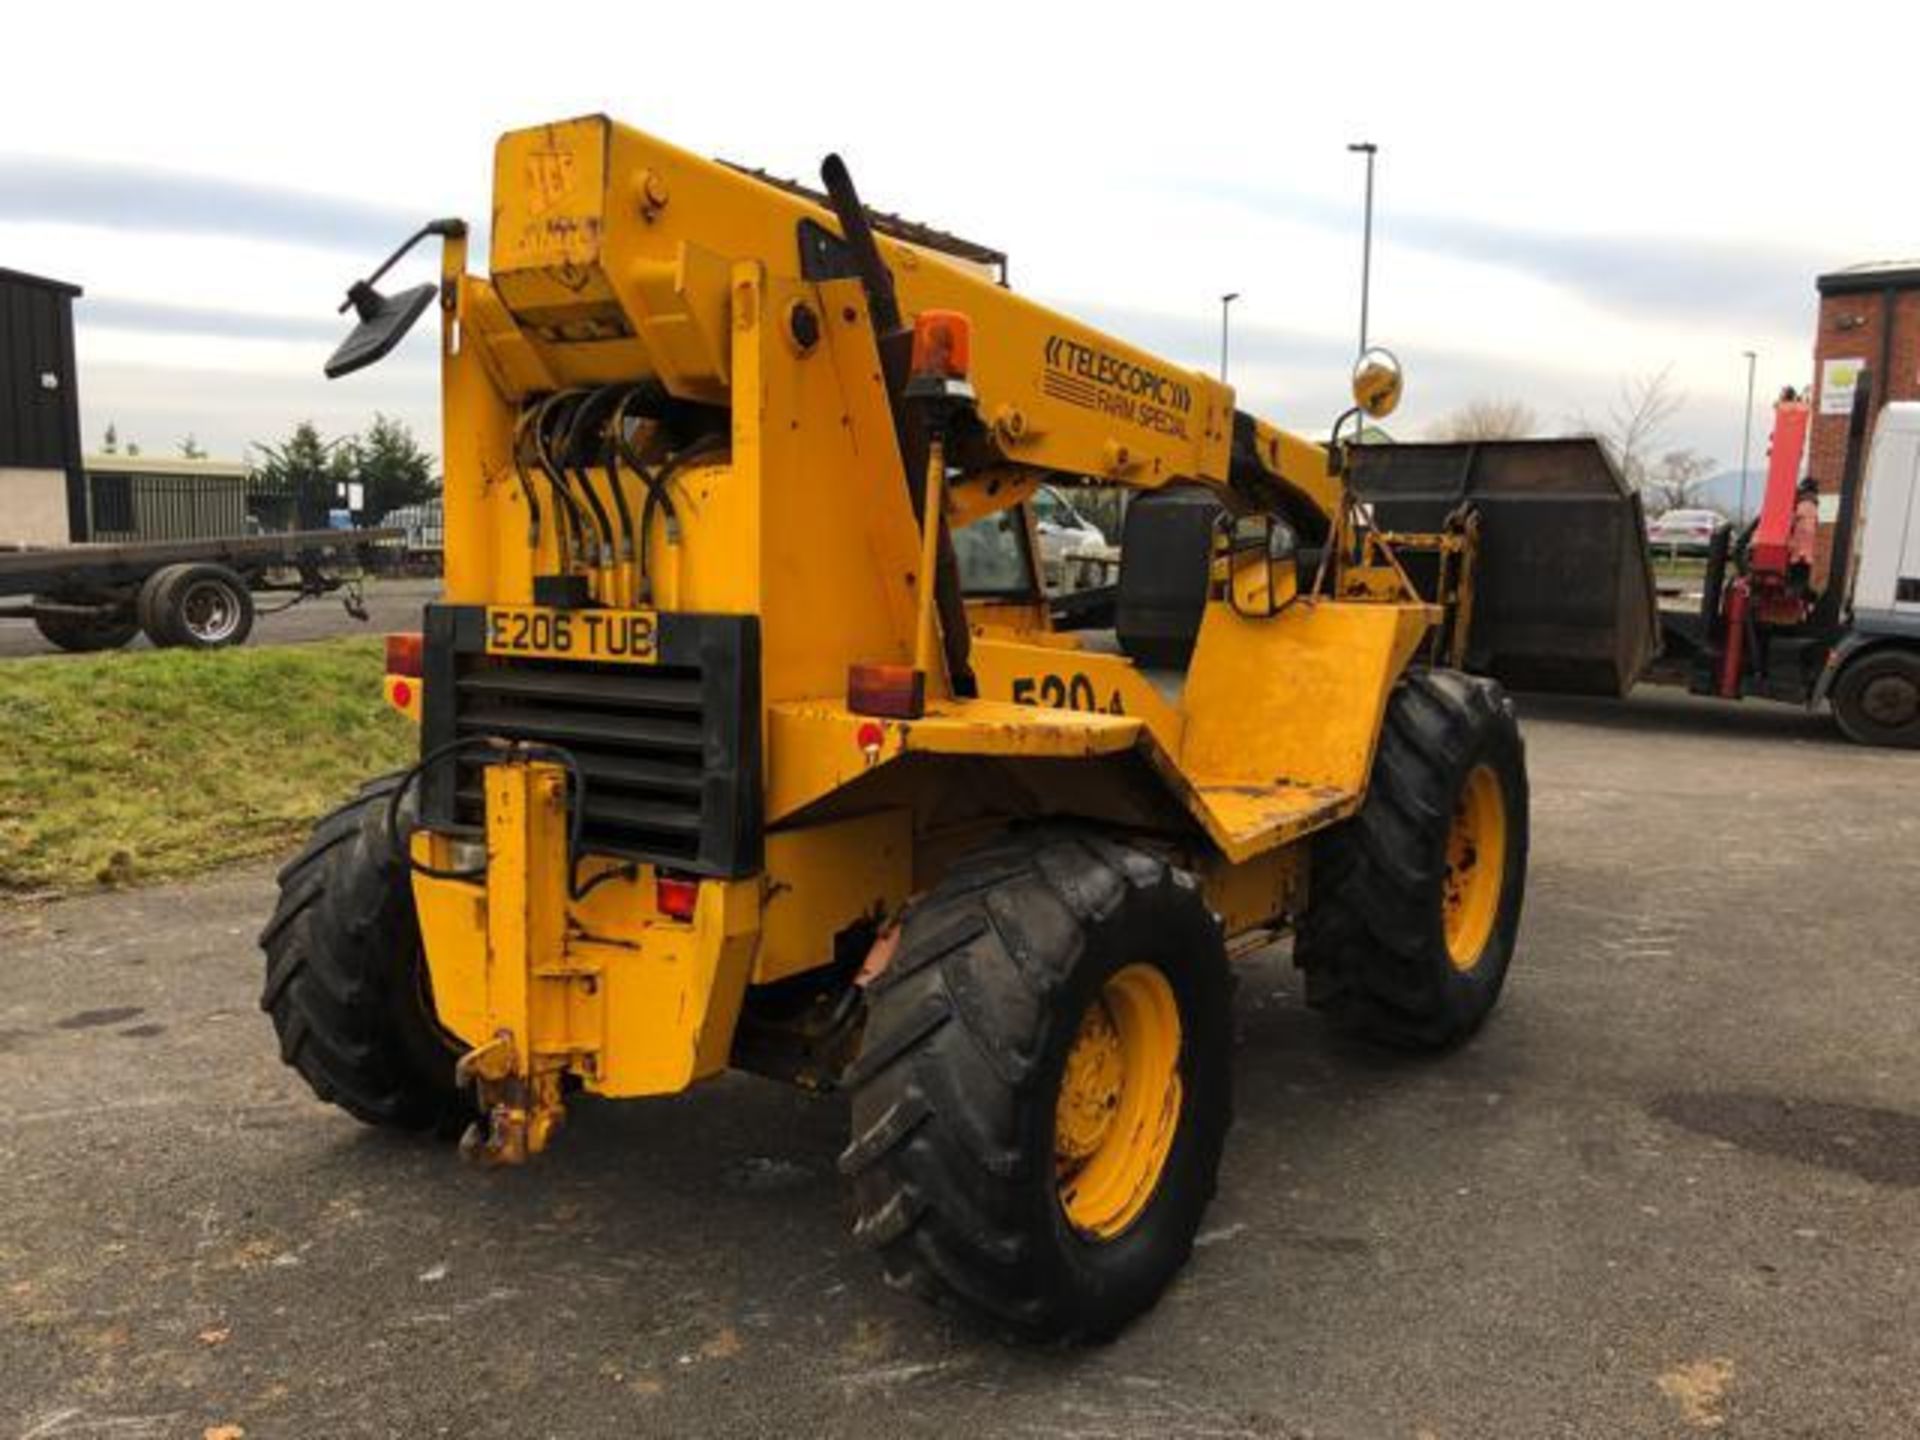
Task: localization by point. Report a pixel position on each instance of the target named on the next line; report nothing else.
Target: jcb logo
(549, 179)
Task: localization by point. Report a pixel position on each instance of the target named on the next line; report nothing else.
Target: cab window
(992, 556)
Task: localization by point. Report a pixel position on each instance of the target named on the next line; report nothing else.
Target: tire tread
(942, 1165)
(342, 947)
(1366, 941)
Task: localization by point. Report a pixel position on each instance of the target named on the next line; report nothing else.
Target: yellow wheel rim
(1119, 1102)
(1476, 867)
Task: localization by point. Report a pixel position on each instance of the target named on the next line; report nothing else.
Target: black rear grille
(638, 741)
(669, 752)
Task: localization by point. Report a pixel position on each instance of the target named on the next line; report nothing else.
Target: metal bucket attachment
(1563, 589)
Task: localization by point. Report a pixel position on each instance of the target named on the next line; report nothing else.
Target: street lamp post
(1746, 437)
(1225, 300)
(1368, 149)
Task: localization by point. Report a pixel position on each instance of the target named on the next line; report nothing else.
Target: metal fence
(130, 507)
(274, 507)
(133, 507)
(424, 526)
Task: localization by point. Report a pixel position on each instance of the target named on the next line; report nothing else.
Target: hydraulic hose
(581, 457)
(554, 424)
(658, 496)
(528, 451)
(526, 487)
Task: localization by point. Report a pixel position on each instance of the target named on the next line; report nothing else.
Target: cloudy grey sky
(1567, 196)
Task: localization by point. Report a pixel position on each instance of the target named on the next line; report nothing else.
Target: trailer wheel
(196, 606)
(1043, 1087)
(80, 634)
(346, 980)
(145, 609)
(1876, 699)
(1414, 903)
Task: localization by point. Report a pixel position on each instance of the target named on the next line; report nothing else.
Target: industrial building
(42, 485)
(1869, 320)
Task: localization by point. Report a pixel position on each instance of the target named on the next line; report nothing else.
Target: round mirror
(1378, 382)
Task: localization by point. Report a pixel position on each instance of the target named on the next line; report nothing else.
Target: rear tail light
(896, 692)
(675, 896)
(406, 653)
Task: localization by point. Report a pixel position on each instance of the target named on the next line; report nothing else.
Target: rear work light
(406, 653)
(942, 345)
(942, 358)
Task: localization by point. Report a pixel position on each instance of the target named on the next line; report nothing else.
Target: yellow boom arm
(611, 259)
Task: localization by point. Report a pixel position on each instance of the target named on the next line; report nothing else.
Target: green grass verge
(151, 764)
(1679, 567)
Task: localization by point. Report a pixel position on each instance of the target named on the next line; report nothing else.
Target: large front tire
(1414, 904)
(346, 977)
(1043, 1088)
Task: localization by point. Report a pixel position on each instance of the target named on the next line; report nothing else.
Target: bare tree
(1675, 479)
(1636, 422)
(1487, 419)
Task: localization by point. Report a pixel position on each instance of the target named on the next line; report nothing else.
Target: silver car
(1689, 532)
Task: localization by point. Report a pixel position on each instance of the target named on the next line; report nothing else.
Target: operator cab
(1016, 574)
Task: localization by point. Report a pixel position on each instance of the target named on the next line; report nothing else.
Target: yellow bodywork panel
(1067, 677)
(1301, 465)
(1296, 699)
(1283, 715)
(823, 878)
(1273, 730)
(816, 747)
(605, 987)
(402, 692)
(1026, 619)
(1256, 893)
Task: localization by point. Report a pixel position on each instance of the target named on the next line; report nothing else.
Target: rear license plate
(621, 636)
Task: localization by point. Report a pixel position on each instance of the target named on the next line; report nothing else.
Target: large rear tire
(1414, 904)
(1043, 1087)
(346, 980)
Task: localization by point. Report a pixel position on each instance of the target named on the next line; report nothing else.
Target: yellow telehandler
(748, 740)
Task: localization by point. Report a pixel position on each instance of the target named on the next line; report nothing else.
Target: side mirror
(1378, 383)
(385, 319)
(384, 322)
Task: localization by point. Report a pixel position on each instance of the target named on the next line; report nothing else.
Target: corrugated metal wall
(39, 389)
(39, 426)
(129, 507)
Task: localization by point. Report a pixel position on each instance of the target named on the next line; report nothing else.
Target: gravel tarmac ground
(1672, 1190)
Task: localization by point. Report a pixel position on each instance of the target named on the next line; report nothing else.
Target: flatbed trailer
(195, 594)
